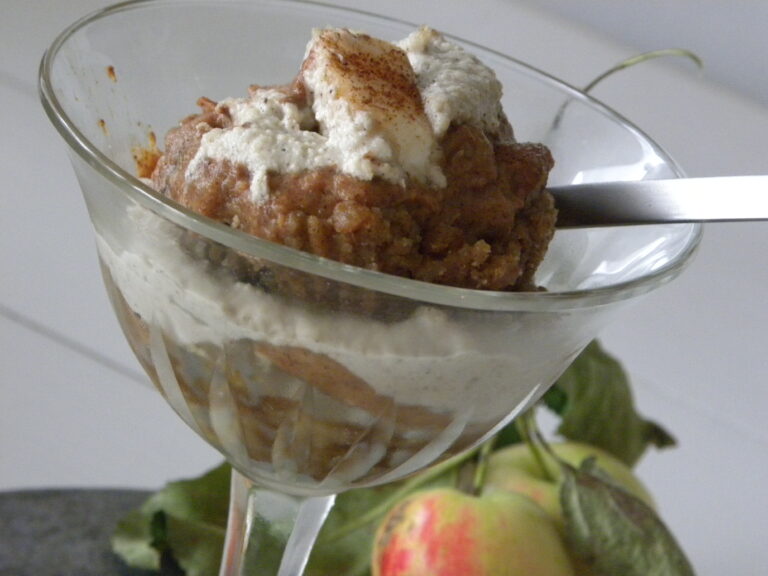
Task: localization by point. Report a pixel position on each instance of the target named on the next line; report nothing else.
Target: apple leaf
(132, 541)
(595, 404)
(186, 520)
(507, 436)
(614, 532)
(196, 546)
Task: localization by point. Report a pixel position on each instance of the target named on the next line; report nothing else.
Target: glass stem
(309, 520)
(268, 532)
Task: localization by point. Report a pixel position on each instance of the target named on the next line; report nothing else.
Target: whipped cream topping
(366, 100)
(376, 110)
(454, 84)
(269, 134)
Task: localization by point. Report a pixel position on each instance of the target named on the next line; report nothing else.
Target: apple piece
(445, 532)
(515, 469)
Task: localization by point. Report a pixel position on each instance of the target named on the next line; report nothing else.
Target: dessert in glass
(377, 287)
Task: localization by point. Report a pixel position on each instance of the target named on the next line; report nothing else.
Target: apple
(445, 532)
(515, 469)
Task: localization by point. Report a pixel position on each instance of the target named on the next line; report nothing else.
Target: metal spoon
(718, 199)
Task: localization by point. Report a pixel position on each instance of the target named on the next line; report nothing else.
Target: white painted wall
(731, 36)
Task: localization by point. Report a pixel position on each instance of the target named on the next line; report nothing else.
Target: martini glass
(312, 377)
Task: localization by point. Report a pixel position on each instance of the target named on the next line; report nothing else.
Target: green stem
(629, 62)
(409, 486)
(481, 466)
(642, 58)
(529, 431)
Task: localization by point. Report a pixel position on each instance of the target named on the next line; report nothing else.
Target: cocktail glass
(312, 377)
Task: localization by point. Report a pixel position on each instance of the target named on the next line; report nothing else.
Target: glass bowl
(379, 391)
(313, 377)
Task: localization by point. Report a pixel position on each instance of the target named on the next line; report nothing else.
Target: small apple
(515, 469)
(445, 532)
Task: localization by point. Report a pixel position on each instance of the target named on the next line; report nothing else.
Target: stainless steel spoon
(718, 199)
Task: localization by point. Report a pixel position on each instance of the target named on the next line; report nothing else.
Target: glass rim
(369, 279)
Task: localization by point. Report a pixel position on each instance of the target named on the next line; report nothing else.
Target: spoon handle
(718, 199)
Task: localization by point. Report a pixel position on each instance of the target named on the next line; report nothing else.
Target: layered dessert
(396, 158)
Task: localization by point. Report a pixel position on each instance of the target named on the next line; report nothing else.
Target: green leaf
(196, 546)
(204, 499)
(268, 541)
(195, 518)
(132, 541)
(598, 408)
(186, 519)
(614, 532)
(555, 398)
(508, 435)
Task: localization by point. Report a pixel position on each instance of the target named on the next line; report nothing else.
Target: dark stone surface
(63, 532)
